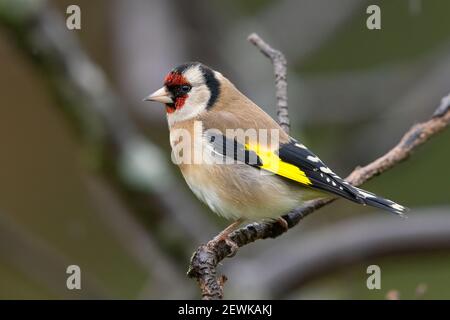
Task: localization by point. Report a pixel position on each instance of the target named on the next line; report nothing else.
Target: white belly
(238, 190)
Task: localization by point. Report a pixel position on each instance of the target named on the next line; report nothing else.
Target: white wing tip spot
(397, 206)
(326, 170)
(300, 145)
(313, 159)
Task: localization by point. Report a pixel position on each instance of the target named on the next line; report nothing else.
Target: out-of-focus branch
(117, 149)
(139, 244)
(42, 263)
(205, 260)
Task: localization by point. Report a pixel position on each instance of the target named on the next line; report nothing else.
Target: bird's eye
(185, 88)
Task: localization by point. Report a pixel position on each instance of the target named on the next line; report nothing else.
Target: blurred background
(85, 170)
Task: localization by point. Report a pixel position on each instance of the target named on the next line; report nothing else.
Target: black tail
(373, 200)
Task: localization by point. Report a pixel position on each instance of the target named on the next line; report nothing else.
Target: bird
(239, 175)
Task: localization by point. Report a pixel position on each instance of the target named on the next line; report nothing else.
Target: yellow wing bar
(272, 163)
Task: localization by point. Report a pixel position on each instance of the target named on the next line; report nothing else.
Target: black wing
(325, 179)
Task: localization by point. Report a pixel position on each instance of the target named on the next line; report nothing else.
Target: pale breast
(238, 190)
(233, 190)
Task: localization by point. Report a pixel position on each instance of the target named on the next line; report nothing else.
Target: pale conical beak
(160, 95)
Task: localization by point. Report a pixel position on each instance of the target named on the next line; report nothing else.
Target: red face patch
(179, 103)
(175, 79)
(173, 82)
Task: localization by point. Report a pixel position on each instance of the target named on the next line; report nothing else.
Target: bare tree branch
(280, 72)
(205, 260)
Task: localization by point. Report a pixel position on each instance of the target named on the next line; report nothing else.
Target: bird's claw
(283, 224)
(233, 247)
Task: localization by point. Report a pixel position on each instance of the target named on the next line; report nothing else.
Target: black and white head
(189, 90)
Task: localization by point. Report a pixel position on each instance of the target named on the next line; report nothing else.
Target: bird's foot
(283, 224)
(233, 247)
(225, 237)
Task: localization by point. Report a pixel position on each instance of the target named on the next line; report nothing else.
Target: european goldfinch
(261, 180)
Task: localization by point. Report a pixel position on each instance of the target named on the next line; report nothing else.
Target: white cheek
(196, 103)
(194, 75)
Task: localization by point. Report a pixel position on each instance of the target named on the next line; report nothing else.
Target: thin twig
(280, 72)
(205, 260)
